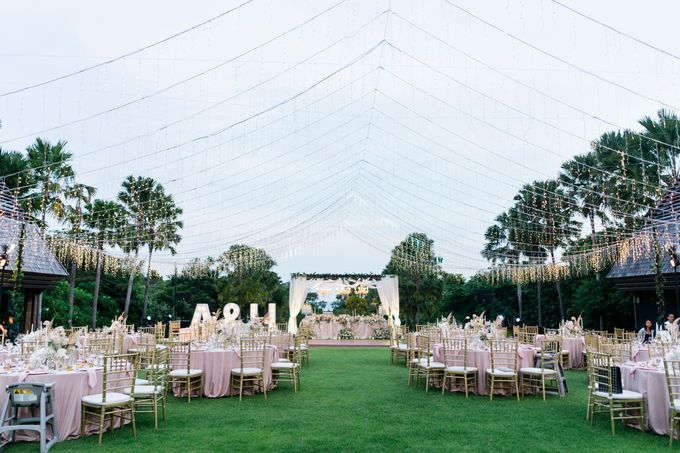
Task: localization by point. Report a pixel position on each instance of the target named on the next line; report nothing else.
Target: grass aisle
(351, 400)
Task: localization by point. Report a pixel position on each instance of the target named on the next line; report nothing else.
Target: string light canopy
(384, 115)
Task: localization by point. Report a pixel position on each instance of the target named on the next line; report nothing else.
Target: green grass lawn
(352, 400)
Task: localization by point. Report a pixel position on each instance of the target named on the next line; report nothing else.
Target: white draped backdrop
(387, 286)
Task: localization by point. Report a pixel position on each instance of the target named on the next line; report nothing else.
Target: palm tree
(13, 166)
(498, 248)
(80, 193)
(135, 197)
(550, 214)
(104, 219)
(161, 230)
(51, 174)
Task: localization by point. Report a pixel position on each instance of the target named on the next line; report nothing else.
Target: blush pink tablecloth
(217, 365)
(652, 384)
(481, 359)
(69, 389)
(575, 346)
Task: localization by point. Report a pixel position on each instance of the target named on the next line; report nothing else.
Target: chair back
(159, 330)
(422, 350)
(180, 355)
(157, 372)
(672, 368)
(99, 345)
(455, 352)
(503, 354)
(283, 342)
(175, 327)
(550, 353)
(29, 347)
(294, 354)
(282, 327)
(119, 373)
(252, 353)
(601, 378)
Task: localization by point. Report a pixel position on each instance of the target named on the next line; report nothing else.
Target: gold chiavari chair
(305, 333)
(503, 366)
(29, 347)
(99, 345)
(626, 405)
(287, 370)
(151, 396)
(618, 333)
(174, 329)
(426, 364)
(182, 374)
(159, 331)
(284, 344)
(119, 376)
(455, 359)
(398, 348)
(672, 368)
(252, 354)
(130, 328)
(418, 354)
(516, 331)
(536, 377)
(502, 332)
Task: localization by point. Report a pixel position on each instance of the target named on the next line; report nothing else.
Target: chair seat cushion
(626, 395)
(676, 405)
(246, 371)
(141, 382)
(111, 398)
(502, 372)
(432, 365)
(532, 370)
(144, 390)
(283, 365)
(185, 373)
(461, 369)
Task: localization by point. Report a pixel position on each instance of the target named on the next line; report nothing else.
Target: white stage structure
(386, 285)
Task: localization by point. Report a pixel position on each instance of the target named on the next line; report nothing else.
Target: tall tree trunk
(538, 300)
(558, 288)
(71, 291)
(591, 217)
(146, 287)
(519, 299)
(131, 281)
(97, 281)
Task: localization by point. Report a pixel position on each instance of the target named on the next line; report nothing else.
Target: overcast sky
(330, 143)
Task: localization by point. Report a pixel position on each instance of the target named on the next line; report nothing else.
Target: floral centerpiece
(573, 327)
(57, 350)
(345, 334)
(381, 333)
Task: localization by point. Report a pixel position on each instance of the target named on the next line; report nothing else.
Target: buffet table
(328, 327)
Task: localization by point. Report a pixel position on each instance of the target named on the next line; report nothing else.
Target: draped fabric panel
(296, 298)
(388, 291)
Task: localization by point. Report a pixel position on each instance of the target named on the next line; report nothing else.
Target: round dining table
(217, 364)
(575, 345)
(651, 382)
(481, 359)
(69, 389)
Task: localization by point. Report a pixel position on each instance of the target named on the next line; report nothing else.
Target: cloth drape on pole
(388, 291)
(296, 298)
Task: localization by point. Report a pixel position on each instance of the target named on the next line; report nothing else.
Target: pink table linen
(481, 359)
(69, 389)
(575, 346)
(217, 365)
(652, 384)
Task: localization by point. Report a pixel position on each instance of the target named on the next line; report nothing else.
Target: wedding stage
(331, 327)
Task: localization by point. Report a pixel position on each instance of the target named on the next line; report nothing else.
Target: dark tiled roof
(38, 259)
(665, 217)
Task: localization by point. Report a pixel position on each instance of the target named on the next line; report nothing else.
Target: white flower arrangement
(673, 354)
